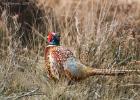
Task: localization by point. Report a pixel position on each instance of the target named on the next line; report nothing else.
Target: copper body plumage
(55, 56)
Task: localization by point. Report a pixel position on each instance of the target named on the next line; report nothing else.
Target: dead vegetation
(103, 33)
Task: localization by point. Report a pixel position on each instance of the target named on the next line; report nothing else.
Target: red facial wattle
(49, 38)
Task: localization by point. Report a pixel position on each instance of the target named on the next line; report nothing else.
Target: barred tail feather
(110, 72)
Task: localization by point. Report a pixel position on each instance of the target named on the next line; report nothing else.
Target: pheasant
(60, 62)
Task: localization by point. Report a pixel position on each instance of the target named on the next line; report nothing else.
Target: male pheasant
(60, 62)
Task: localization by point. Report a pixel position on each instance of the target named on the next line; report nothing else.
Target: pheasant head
(53, 38)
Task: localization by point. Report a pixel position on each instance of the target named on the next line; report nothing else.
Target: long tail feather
(110, 72)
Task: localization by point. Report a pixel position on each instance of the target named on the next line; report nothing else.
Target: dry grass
(103, 34)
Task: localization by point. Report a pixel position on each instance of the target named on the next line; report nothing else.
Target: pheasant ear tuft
(52, 33)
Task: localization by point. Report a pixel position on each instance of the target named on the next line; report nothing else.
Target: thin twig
(130, 85)
(125, 60)
(11, 3)
(134, 62)
(31, 93)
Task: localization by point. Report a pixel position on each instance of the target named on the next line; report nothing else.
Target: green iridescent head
(53, 38)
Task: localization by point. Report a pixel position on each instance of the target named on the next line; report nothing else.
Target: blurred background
(101, 33)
